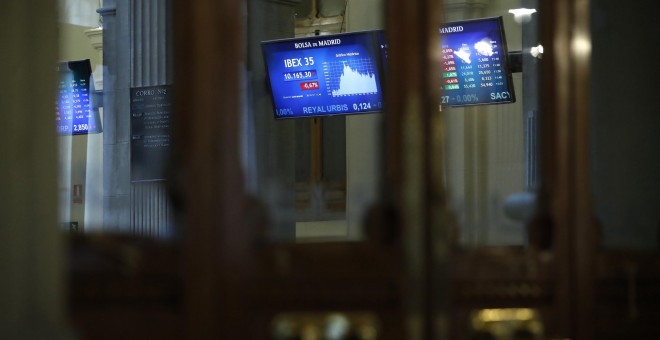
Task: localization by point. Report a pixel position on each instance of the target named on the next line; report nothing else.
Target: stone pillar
(95, 36)
(530, 98)
(116, 128)
(93, 207)
(137, 53)
(270, 144)
(364, 143)
(31, 243)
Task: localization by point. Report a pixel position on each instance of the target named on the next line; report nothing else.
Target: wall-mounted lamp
(521, 15)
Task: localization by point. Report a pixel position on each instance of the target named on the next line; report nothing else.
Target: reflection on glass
(507, 323)
(315, 173)
(491, 153)
(325, 325)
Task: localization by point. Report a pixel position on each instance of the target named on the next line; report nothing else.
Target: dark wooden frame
(220, 282)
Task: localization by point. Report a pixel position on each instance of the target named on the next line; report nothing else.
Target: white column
(94, 170)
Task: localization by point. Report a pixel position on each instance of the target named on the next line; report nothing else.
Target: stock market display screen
(325, 75)
(475, 69)
(73, 110)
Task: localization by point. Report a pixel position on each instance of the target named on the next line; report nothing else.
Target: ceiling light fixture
(521, 15)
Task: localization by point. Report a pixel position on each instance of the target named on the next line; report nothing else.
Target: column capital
(103, 11)
(95, 36)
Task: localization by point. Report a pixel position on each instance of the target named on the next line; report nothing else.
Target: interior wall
(80, 156)
(79, 12)
(363, 143)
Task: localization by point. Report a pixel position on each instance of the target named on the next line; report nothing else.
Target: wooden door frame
(565, 193)
(222, 265)
(216, 246)
(209, 51)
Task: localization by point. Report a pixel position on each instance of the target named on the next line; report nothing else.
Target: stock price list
(307, 79)
(72, 111)
(474, 65)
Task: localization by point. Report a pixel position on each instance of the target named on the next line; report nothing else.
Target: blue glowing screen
(474, 65)
(324, 75)
(74, 114)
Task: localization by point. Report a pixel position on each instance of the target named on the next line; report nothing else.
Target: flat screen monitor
(74, 114)
(475, 63)
(325, 75)
(382, 44)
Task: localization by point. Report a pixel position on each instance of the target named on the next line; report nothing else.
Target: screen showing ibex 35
(324, 75)
(475, 68)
